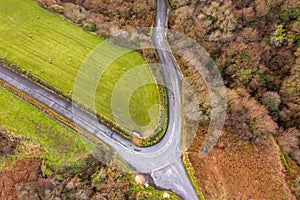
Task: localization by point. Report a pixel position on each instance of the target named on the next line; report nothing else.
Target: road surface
(162, 160)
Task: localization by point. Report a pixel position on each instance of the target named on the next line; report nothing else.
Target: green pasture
(53, 48)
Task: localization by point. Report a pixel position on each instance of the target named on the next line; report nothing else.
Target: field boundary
(9, 65)
(158, 133)
(46, 110)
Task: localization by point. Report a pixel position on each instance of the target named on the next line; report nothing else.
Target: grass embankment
(60, 146)
(190, 172)
(53, 49)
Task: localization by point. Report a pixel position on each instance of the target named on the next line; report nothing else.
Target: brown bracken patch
(23, 171)
(237, 169)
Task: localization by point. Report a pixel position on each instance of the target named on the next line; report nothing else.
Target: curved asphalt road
(162, 160)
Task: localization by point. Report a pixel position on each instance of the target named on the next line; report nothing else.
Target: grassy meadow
(53, 48)
(60, 146)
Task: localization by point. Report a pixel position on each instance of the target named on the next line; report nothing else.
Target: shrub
(57, 9)
(75, 13)
(90, 27)
(99, 177)
(271, 100)
(279, 36)
(274, 3)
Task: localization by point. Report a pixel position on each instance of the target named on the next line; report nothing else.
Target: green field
(53, 48)
(61, 146)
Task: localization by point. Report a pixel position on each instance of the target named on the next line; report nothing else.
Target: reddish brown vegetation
(110, 17)
(289, 140)
(25, 171)
(240, 170)
(247, 118)
(290, 94)
(24, 181)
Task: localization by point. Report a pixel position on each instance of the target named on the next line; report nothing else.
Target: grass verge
(61, 147)
(190, 172)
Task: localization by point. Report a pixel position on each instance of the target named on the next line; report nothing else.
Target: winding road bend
(163, 160)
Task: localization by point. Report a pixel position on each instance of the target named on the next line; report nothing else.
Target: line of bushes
(158, 132)
(4, 62)
(161, 128)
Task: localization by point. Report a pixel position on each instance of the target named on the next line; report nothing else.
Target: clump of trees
(246, 117)
(290, 94)
(108, 17)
